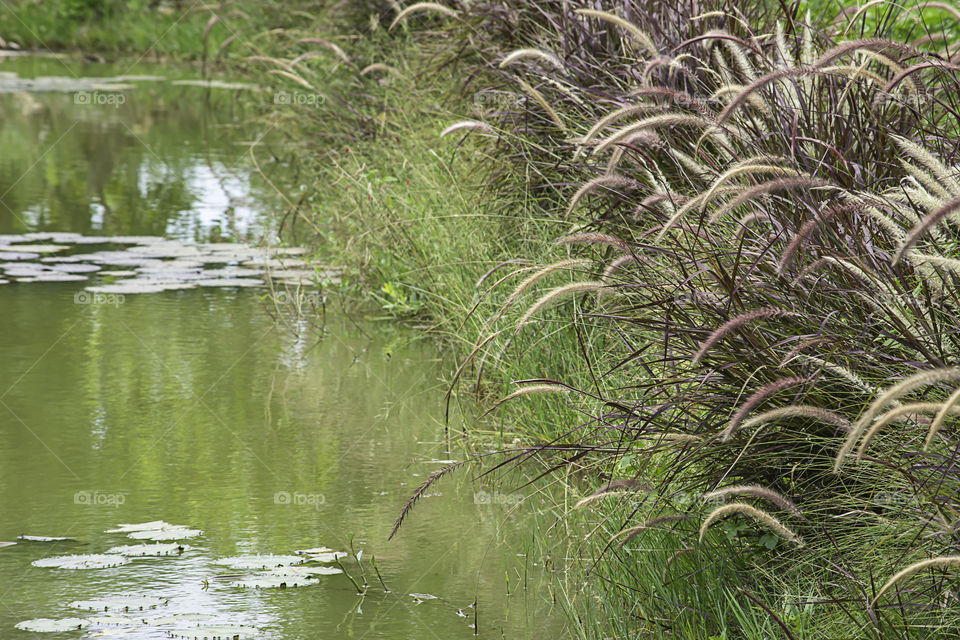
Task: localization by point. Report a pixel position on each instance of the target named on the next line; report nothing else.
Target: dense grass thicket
(713, 248)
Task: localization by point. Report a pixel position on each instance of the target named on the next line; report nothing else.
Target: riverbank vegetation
(721, 275)
(700, 267)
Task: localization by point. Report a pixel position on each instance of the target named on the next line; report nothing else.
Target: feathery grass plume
(292, 76)
(941, 416)
(535, 277)
(943, 6)
(536, 54)
(340, 53)
(378, 66)
(773, 186)
(756, 491)
(908, 411)
(794, 411)
(889, 395)
(625, 535)
(688, 206)
(528, 390)
(760, 83)
(672, 559)
(761, 517)
(623, 112)
(916, 567)
(927, 182)
(931, 162)
(636, 141)
(616, 263)
(756, 398)
(595, 238)
(906, 73)
(418, 493)
(554, 294)
(950, 264)
(924, 225)
(837, 369)
(735, 323)
(614, 487)
(751, 169)
(666, 120)
(638, 34)
(609, 182)
(543, 103)
(277, 61)
(423, 6)
(807, 229)
(471, 125)
(876, 45)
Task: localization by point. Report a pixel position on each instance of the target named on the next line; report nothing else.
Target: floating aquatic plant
(89, 561)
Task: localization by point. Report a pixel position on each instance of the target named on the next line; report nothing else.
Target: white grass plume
(916, 567)
(536, 54)
(795, 411)
(610, 182)
(555, 294)
(423, 6)
(595, 238)
(665, 120)
(756, 491)
(614, 487)
(907, 411)
(941, 416)
(733, 324)
(469, 125)
(889, 395)
(638, 34)
(625, 535)
(535, 277)
(761, 517)
(529, 390)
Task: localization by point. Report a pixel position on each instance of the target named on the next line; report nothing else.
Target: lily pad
(167, 533)
(313, 551)
(140, 526)
(89, 561)
(144, 550)
(119, 603)
(303, 571)
(330, 556)
(176, 618)
(35, 248)
(422, 596)
(48, 625)
(45, 539)
(113, 620)
(265, 561)
(216, 632)
(229, 282)
(265, 581)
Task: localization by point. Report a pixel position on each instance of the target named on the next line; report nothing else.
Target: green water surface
(197, 407)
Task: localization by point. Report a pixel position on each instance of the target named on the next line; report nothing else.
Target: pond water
(200, 408)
